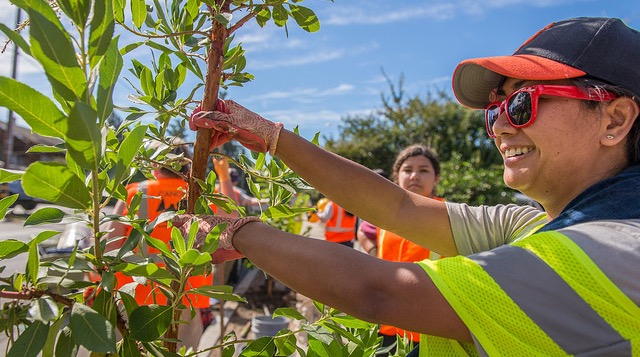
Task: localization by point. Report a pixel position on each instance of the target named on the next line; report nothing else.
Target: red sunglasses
(521, 106)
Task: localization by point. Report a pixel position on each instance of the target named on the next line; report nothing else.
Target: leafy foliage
(471, 167)
(77, 44)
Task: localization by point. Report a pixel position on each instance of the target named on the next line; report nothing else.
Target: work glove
(225, 250)
(232, 121)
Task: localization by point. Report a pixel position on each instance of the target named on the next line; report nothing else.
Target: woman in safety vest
(416, 169)
(563, 113)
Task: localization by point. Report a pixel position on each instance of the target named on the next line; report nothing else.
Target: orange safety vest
(161, 195)
(341, 226)
(394, 248)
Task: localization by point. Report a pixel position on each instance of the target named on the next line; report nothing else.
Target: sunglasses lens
(519, 108)
(491, 115)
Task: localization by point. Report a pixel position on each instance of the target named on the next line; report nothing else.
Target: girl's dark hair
(411, 151)
(633, 139)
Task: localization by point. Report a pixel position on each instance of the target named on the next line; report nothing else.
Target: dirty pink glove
(234, 122)
(225, 249)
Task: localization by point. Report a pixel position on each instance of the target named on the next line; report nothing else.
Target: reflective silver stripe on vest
(338, 227)
(573, 325)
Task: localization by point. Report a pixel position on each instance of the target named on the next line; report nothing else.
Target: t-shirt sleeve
(481, 228)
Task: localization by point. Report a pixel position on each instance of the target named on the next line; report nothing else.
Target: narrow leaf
(101, 30)
(7, 175)
(110, 69)
(178, 241)
(16, 38)
(138, 12)
(6, 203)
(31, 341)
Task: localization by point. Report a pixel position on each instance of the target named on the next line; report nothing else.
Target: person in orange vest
(340, 224)
(416, 169)
(165, 193)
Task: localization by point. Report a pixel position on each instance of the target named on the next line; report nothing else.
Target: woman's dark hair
(633, 139)
(411, 151)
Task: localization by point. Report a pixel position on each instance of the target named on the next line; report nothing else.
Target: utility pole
(8, 140)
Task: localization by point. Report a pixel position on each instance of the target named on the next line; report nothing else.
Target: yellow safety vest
(502, 328)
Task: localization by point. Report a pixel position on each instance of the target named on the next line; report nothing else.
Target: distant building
(23, 139)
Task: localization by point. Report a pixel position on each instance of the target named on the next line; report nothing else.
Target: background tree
(471, 165)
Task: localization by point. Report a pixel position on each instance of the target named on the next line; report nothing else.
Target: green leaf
(52, 47)
(150, 270)
(48, 349)
(220, 292)
(178, 241)
(130, 348)
(305, 18)
(45, 215)
(66, 346)
(44, 309)
(286, 345)
(10, 248)
(110, 69)
(262, 347)
(278, 212)
(76, 10)
(55, 183)
(6, 203)
(33, 264)
(7, 175)
(194, 257)
(31, 341)
(42, 236)
(101, 30)
(350, 321)
(138, 12)
(39, 148)
(83, 137)
(289, 312)
(42, 115)
(92, 330)
(16, 38)
(149, 322)
(280, 15)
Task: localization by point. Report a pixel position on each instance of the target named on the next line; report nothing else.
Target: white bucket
(263, 326)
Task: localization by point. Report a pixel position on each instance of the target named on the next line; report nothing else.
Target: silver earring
(610, 137)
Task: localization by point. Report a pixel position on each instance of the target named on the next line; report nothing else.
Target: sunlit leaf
(7, 175)
(305, 17)
(52, 47)
(289, 312)
(16, 38)
(262, 347)
(6, 203)
(138, 12)
(33, 264)
(150, 270)
(55, 183)
(42, 115)
(9, 248)
(76, 10)
(92, 330)
(101, 30)
(45, 215)
(178, 241)
(44, 149)
(149, 322)
(110, 69)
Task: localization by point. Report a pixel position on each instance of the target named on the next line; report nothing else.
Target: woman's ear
(621, 114)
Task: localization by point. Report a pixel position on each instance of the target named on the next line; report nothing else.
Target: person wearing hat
(563, 112)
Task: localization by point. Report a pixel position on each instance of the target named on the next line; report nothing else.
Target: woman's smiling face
(550, 160)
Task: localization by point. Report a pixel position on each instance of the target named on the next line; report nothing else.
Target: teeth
(517, 151)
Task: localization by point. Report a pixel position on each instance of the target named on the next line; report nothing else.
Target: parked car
(15, 187)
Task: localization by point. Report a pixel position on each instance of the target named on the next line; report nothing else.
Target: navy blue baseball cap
(599, 47)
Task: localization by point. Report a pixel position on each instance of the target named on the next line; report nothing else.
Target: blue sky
(314, 80)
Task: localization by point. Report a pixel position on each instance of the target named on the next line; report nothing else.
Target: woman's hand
(234, 122)
(225, 250)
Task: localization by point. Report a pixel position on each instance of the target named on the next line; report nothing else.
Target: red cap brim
(475, 78)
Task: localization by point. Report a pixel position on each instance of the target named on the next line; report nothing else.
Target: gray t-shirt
(480, 228)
